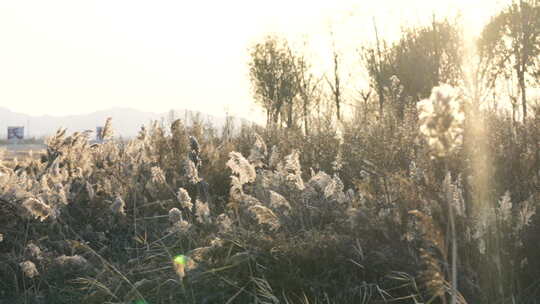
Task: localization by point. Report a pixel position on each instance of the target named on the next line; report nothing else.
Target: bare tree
(308, 85)
(335, 85)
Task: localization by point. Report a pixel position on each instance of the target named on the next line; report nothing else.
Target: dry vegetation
(420, 195)
(181, 214)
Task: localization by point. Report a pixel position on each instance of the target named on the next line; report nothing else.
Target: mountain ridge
(126, 121)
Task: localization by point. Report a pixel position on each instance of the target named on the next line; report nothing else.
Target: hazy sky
(67, 56)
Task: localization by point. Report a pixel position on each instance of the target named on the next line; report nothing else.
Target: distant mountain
(126, 121)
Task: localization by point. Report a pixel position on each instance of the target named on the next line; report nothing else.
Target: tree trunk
(338, 108)
(306, 128)
(381, 100)
(290, 115)
(523, 90)
(337, 91)
(268, 118)
(276, 118)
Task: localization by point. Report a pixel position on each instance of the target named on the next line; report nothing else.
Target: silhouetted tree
(335, 84)
(421, 59)
(307, 88)
(511, 44)
(274, 80)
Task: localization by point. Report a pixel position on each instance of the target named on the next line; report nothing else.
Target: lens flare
(179, 263)
(180, 259)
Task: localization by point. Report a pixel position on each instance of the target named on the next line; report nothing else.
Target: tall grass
(390, 211)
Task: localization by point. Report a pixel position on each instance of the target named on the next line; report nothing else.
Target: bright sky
(63, 57)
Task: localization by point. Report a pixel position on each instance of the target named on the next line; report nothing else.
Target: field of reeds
(438, 207)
